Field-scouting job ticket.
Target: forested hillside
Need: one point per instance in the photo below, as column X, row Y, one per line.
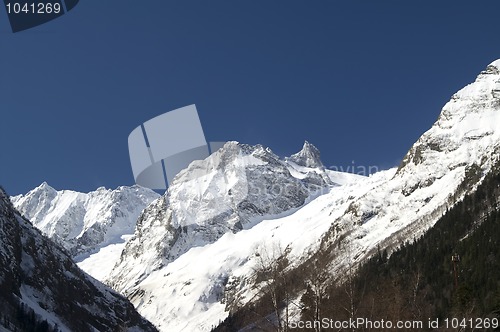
column 417, row 281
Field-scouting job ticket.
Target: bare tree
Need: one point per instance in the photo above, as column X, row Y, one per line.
column 317, row 285
column 271, row 272
column 353, row 300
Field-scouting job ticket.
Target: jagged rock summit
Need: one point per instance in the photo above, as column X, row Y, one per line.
column 231, row 190
column 309, row 156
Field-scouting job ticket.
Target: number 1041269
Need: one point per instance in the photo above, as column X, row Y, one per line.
column 33, row 8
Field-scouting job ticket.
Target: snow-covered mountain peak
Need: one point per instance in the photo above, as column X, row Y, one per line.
column 447, row 161
column 493, row 68
column 466, row 130
column 84, row 222
column 45, row 186
column 43, row 191
column 309, row 156
column 232, row 189
column 483, row 87
column 231, row 156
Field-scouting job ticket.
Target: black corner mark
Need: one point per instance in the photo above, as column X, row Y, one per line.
column 26, row 14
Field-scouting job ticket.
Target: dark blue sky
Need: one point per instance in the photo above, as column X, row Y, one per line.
column 362, row 80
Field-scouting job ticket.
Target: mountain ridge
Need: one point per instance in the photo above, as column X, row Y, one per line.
column 42, row 287
column 84, row 222
column 229, row 191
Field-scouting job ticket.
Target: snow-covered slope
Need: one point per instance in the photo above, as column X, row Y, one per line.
column 448, row 160
column 192, row 292
column 37, row 276
column 84, row 223
column 188, row 264
column 233, row 189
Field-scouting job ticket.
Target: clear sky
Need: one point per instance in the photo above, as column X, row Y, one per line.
column 362, row 80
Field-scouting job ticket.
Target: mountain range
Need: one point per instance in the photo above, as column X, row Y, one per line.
column 204, row 250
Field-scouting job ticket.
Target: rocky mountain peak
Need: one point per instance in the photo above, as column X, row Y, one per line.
column 493, row 68
column 233, row 189
column 45, row 188
column 467, row 126
column 309, row 156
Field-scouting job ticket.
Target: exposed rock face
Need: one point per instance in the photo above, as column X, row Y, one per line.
column 309, row 156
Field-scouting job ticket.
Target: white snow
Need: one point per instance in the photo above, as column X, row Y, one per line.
column 100, row 263
column 84, row 223
column 185, row 295
column 343, row 178
column 358, row 215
